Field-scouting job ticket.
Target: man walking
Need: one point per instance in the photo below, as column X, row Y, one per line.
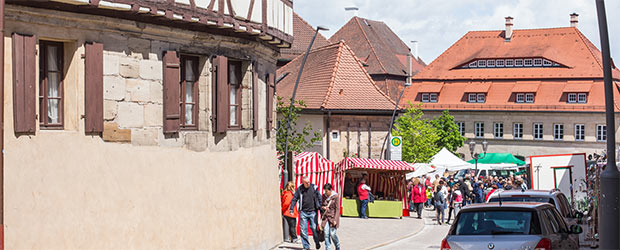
column 440, row 203
column 363, row 191
column 310, row 203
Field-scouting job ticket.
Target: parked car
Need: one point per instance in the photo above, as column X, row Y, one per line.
column 554, row 197
column 511, row 225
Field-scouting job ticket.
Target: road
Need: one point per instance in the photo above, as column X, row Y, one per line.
column 428, row 238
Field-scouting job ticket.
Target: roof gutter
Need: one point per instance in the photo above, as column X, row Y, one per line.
column 347, row 112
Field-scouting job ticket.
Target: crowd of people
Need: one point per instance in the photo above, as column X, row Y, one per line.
column 451, row 193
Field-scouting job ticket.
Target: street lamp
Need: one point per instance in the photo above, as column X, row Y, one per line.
column 477, row 156
column 290, row 108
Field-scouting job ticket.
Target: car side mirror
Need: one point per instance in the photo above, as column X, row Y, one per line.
column 575, row 229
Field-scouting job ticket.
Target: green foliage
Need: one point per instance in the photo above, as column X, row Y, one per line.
column 299, row 139
column 448, row 131
column 422, row 137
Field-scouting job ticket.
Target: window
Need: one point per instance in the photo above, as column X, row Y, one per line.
column 471, row 98
column 51, row 85
column 538, row 131
column 490, row 63
column 425, row 98
column 558, row 131
column 335, row 135
column 518, row 62
column 499, row 63
column 433, row 97
column 473, row 64
column 529, row 97
column 498, row 130
column 572, row 98
column 547, row 63
column 479, row 129
column 580, row 132
column 527, row 62
column 508, row 222
column 517, row 131
column 480, row 97
column 461, row 128
column 520, row 98
column 601, row 132
column 234, row 90
column 482, row 63
column 189, row 91
column 510, row 62
column 581, row 98
column 538, row 62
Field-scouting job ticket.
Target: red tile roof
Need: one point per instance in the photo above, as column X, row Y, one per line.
column 566, row 46
column 333, row 79
column 302, row 34
column 378, row 46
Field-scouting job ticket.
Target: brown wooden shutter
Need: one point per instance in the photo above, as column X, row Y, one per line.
column 271, row 87
column 255, row 97
column 221, row 94
column 172, row 78
column 24, row 83
column 93, row 88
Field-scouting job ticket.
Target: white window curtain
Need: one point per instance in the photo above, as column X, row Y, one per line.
column 53, row 84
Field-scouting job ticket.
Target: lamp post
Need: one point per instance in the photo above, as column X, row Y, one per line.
column 477, row 156
column 610, row 178
column 290, row 109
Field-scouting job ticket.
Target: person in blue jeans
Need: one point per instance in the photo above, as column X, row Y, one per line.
column 363, row 191
column 309, row 203
column 330, row 217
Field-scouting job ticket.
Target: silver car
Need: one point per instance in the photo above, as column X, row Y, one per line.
column 524, row 226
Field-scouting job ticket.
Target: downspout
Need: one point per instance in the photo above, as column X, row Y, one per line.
column 2, row 125
column 329, row 133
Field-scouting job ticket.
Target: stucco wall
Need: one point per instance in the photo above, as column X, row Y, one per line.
column 197, row 190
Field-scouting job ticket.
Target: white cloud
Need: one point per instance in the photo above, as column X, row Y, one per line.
column 437, row 24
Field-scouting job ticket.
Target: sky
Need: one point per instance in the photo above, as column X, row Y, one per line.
column 437, row 24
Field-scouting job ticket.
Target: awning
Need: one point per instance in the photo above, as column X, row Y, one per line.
column 350, row 163
column 578, row 86
column 428, row 87
column 477, row 87
column 526, row 87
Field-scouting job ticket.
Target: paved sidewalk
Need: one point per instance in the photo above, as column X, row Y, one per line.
column 428, row 238
column 355, row 233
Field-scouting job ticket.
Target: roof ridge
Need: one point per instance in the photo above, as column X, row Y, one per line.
column 366, row 73
column 584, row 42
column 304, row 20
column 549, row 28
column 370, row 44
column 333, row 77
column 311, row 51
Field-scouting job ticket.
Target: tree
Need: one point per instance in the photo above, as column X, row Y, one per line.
column 419, row 135
column 448, row 132
column 299, row 139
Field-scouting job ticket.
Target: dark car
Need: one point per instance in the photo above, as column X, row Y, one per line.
column 511, row 226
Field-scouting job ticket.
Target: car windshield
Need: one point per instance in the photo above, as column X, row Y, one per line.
column 522, row 199
column 497, row 223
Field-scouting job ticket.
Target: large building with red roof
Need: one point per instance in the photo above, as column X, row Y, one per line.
column 383, row 53
column 526, row 92
column 342, row 102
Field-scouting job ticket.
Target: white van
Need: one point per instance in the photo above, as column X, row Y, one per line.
column 499, row 170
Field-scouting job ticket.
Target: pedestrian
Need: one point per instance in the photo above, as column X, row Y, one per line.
column 429, row 196
column 330, row 218
column 493, row 189
column 418, row 195
column 349, row 186
column 309, row 203
column 289, row 219
column 458, row 199
column 440, row 203
column 479, row 193
column 363, row 191
column 450, row 203
column 409, row 189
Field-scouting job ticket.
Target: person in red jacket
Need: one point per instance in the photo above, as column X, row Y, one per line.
column 363, row 194
column 418, row 196
column 289, row 219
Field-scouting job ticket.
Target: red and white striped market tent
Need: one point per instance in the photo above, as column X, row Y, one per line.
column 314, row 165
column 385, row 176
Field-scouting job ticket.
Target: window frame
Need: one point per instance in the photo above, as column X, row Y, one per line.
column 473, row 64
column 528, row 100
column 547, row 63
column 481, row 100
column 535, row 131
column 509, row 63
column 558, row 131
column 498, row 130
column 499, row 63
column 517, row 130
column 425, row 97
column 601, row 132
column 479, row 127
column 580, row 134
column 470, row 99
column 195, row 92
column 526, row 64
column 538, row 62
column 237, row 96
column 482, row 63
column 579, row 98
column 43, row 85
column 490, row 63
column 433, row 97
column 519, row 62
column 461, row 126
column 574, row 98
column 520, row 98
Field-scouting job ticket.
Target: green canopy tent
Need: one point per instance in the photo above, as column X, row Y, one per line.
column 497, row 158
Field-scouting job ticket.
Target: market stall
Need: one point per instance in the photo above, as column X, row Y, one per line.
column 315, row 166
column 385, row 178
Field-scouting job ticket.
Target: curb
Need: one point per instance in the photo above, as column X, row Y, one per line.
column 399, row 238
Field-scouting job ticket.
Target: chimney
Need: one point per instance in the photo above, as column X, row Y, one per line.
column 415, row 49
column 574, row 20
column 508, row 33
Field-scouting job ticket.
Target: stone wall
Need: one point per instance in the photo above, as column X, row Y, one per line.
column 355, row 130
column 135, row 187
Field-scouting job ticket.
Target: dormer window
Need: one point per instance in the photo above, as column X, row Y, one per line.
column 581, row 98
column 527, row 62
column 547, row 63
column 510, row 62
column 529, row 97
column 577, row 98
column 481, row 97
column 520, row 98
column 482, row 63
column 518, row 62
column 524, row 98
column 476, row 97
column 499, row 63
column 490, row 63
column 429, row 97
column 538, row 62
column 473, row 64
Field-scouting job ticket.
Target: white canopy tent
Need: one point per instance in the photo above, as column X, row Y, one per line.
column 420, row 170
column 448, row 161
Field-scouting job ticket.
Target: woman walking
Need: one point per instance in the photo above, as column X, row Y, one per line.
column 458, row 199
column 418, row 195
column 288, row 219
column 440, row 203
column 450, row 203
column 331, row 217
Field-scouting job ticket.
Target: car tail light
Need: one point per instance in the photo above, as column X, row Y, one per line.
column 543, row 244
column 445, row 245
